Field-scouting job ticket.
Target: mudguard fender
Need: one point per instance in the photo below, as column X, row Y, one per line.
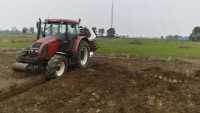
column 77, row 43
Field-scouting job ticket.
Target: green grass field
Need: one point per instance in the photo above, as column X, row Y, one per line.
column 150, row 47
column 15, row 43
column 14, row 40
column 130, row 47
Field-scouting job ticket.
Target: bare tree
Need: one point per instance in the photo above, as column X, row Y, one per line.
column 14, row 29
column 32, row 30
column 24, row 30
column 195, row 36
column 101, row 32
column 111, row 32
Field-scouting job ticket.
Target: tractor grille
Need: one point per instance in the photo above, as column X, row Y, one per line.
column 31, row 52
column 36, row 45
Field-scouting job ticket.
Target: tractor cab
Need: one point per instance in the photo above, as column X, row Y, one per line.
column 63, row 30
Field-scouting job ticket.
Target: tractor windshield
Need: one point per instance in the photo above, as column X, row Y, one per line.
column 62, row 31
column 54, row 29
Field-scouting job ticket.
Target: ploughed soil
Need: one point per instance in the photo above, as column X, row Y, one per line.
column 109, row 85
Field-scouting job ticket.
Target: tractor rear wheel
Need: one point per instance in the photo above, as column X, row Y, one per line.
column 56, row 67
column 83, row 54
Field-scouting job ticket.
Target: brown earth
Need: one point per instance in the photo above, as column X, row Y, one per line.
column 109, row 85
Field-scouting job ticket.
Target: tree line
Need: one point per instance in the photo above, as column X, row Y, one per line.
column 24, row 30
column 101, row 32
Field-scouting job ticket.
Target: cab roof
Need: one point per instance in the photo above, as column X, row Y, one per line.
column 63, row 21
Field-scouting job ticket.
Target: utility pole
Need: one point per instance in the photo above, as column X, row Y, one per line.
column 112, row 14
column 111, row 31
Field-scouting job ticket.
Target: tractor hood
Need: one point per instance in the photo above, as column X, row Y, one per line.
column 46, row 41
column 47, row 46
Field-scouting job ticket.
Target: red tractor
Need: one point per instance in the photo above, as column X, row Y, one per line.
column 60, row 43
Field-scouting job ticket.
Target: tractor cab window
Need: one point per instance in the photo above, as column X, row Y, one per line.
column 62, row 32
column 58, row 30
column 51, row 29
column 72, row 31
column 63, row 29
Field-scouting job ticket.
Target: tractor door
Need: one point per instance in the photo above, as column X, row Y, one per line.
column 72, row 33
column 62, row 32
column 63, row 36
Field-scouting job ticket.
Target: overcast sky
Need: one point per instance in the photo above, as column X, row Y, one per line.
column 133, row 17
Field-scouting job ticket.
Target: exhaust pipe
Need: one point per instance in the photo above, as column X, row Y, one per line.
column 20, row 67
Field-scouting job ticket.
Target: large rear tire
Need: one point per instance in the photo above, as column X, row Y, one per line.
column 56, row 67
column 83, row 54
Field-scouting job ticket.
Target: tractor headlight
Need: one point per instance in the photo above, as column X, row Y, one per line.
column 36, row 50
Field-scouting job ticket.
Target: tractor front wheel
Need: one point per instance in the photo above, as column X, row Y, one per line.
column 56, row 67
